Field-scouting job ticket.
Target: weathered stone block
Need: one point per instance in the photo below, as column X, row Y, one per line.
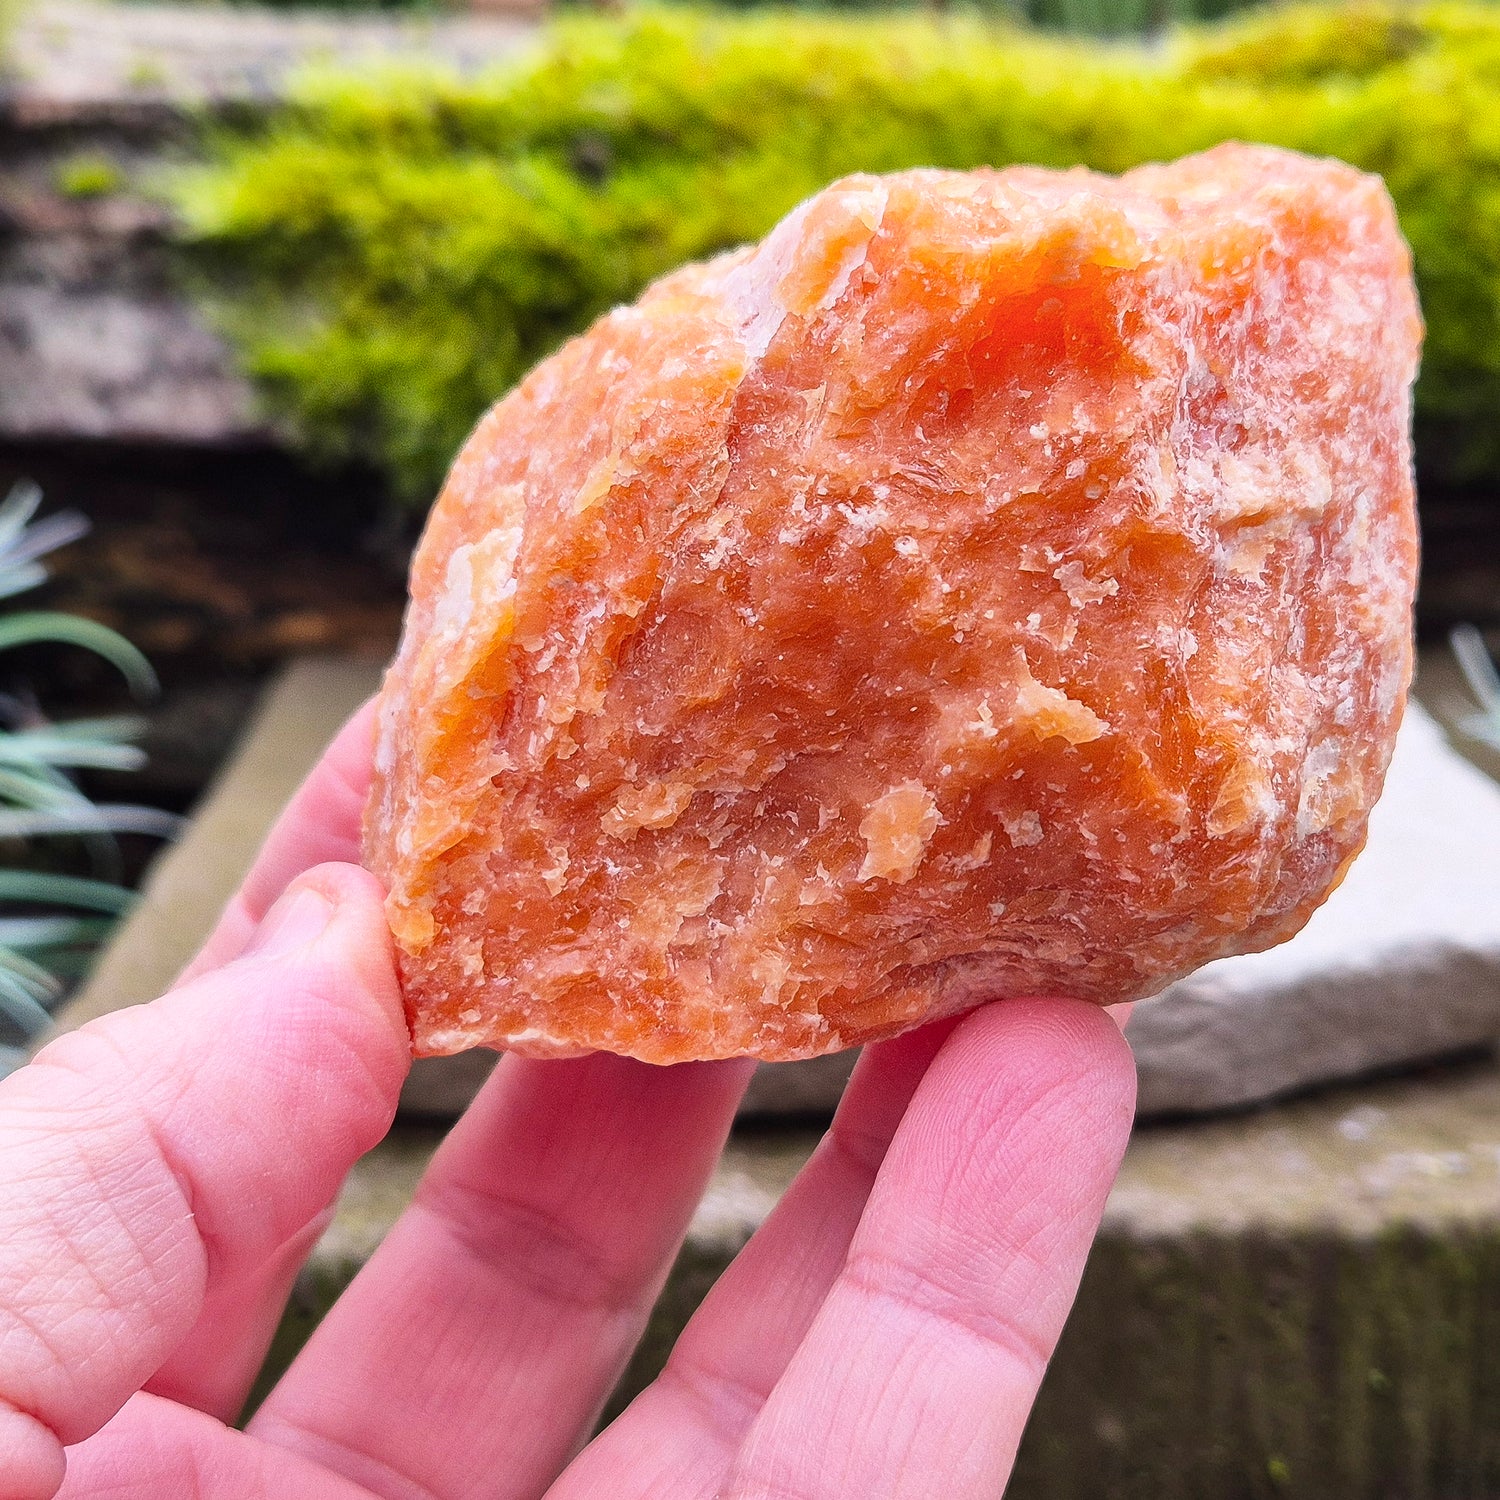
column 1302, row 1302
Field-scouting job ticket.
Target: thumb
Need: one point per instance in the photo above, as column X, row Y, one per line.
column 156, row 1165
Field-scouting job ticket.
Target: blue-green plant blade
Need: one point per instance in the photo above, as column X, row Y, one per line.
column 17, row 1002
column 27, row 934
column 63, row 629
column 1474, row 661
column 22, row 542
column 65, row 890
column 19, row 578
column 103, row 741
column 46, row 535
column 1482, row 727
column 109, row 728
column 45, row 802
column 72, row 963
column 38, row 785
column 18, row 507
column 30, row 973
column 102, row 817
column 39, row 747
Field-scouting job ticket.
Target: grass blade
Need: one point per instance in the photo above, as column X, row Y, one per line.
column 23, row 934
column 20, row 578
column 102, row 817
column 53, row 626
column 23, row 1008
column 36, row 785
column 47, row 535
column 1474, row 661
column 39, row 746
column 65, row 890
column 18, row 507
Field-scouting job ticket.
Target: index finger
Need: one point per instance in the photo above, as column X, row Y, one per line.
column 320, row 825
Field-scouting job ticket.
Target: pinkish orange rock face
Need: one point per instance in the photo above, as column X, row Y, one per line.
column 992, row 583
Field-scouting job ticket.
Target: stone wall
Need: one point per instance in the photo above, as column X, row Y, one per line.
column 97, row 337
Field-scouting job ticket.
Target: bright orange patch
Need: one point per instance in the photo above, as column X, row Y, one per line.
column 991, row 583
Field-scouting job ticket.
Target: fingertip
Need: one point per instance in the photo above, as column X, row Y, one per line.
column 299, row 917
column 1068, row 1033
column 1043, row 1056
column 333, row 911
column 355, row 949
column 32, row 1462
column 334, row 1009
column 350, row 888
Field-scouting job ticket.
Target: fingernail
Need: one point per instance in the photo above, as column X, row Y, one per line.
column 296, row 920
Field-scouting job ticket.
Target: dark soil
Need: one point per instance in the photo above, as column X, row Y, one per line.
column 219, row 566
column 1460, row 560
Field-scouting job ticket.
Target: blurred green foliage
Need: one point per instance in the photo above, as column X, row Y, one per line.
column 393, row 254
column 88, row 176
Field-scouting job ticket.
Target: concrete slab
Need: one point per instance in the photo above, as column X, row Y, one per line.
column 72, row 58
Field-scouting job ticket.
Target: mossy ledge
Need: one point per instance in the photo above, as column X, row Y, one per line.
column 391, row 253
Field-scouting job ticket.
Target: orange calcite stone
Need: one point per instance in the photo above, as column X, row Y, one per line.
column 991, row 583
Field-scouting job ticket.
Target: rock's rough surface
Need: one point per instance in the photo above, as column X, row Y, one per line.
column 990, row 583
column 1401, row 964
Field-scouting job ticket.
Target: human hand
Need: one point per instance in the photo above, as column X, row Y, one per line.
column 165, row 1170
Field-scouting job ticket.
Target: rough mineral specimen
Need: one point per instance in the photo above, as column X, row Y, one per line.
column 991, row 583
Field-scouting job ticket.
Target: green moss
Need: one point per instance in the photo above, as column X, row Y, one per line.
column 392, row 254
column 88, row 177
column 1239, row 1367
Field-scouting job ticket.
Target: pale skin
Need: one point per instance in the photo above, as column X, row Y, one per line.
column 164, row 1171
